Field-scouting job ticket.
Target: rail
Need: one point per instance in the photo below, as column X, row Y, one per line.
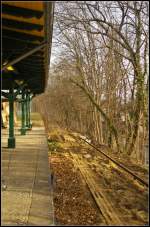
column 103, row 203
column 117, row 163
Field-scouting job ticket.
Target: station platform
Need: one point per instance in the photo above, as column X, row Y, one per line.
column 27, row 197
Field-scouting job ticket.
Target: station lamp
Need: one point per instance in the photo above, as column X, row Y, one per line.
column 10, row 68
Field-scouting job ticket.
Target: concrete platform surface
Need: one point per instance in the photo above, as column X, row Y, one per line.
column 27, row 199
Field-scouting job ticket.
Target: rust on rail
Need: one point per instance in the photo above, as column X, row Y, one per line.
column 117, row 163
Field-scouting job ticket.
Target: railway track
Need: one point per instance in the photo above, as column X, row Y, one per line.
column 111, row 215
column 107, row 210
column 121, row 166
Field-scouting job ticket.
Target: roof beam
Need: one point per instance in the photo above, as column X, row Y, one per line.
column 19, row 11
column 21, row 25
column 24, row 55
column 20, row 35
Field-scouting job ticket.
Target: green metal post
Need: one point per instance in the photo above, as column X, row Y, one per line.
column 29, row 108
column 11, row 139
column 23, row 129
column 30, row 124
column 26, row 110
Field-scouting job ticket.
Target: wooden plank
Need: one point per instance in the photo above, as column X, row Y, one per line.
column 102, row 201
column 26, row 5
column 33, row 32
column 33, row 20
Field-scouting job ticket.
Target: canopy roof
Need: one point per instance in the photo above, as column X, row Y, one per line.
column 25, row 25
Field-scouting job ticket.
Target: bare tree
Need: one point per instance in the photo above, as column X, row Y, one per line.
column 100, row 79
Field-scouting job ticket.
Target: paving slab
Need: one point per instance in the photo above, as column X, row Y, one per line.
column 27, row 199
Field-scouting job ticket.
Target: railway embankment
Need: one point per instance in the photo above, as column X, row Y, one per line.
column 90, row 189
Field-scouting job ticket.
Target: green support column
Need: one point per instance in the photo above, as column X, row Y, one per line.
column 11, row 139
column 23, row 129
column 29, row 109
column 26, row 111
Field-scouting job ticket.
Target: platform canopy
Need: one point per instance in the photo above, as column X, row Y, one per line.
column 25, row 27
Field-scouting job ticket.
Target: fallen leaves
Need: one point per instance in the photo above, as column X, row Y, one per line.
column 72, row 201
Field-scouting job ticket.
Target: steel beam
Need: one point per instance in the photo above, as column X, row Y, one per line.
column 11, row 63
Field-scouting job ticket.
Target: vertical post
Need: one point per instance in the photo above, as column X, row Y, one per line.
column 26, row 110
column 30, row 124
column 11, row 139
column 23, row 129
column 29, row 110
column 29, row 113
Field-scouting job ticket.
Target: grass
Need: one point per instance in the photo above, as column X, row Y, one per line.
column 53, row 145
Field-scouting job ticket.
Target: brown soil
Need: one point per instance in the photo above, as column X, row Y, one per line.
column 72, row 200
